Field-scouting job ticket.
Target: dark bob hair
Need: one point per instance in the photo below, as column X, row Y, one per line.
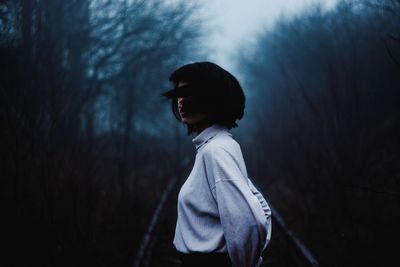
column 219, row 93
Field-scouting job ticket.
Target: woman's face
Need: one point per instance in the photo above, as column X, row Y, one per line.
column 188, row 117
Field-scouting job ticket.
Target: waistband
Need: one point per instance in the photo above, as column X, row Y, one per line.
column 202, row 259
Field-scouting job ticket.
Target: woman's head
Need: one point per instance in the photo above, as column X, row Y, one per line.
column 203, row 91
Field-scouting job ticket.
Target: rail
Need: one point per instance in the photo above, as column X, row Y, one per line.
column 148, row 236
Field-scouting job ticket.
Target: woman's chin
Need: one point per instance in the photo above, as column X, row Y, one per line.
column 187, row 121
column 193, row 119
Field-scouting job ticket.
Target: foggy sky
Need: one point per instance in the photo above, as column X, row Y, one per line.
column 234, row 22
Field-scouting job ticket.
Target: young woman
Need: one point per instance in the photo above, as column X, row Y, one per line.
column 223, row 220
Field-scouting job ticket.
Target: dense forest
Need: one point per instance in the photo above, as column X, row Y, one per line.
column 88, row 146
column 83, row 151
column 324, row 91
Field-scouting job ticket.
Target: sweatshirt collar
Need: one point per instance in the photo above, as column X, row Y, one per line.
column 209, row 133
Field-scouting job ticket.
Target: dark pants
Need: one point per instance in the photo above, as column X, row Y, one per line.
column 205, row 259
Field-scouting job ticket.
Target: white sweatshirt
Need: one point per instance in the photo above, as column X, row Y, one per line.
column 219, row 209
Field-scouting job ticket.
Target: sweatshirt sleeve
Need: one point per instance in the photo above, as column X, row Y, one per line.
column 242, row 216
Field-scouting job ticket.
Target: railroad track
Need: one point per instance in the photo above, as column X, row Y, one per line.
column 157, row 250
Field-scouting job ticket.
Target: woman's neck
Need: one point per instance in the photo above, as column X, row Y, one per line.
column 200, row 126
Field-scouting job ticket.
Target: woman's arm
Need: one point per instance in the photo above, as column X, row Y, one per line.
column 242, row 217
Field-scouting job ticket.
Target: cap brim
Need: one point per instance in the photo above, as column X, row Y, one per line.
column 182, row 91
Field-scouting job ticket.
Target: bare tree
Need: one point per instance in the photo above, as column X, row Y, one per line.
column 79, row 79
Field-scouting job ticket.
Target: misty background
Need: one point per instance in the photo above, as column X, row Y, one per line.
column 88, row 146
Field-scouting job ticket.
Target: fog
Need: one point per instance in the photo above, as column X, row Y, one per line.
column 236, row 23
column 90, row 151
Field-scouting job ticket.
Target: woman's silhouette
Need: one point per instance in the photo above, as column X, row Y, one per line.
column 223, row 220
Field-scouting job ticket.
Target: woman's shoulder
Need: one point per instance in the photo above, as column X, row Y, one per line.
column 222, row 143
